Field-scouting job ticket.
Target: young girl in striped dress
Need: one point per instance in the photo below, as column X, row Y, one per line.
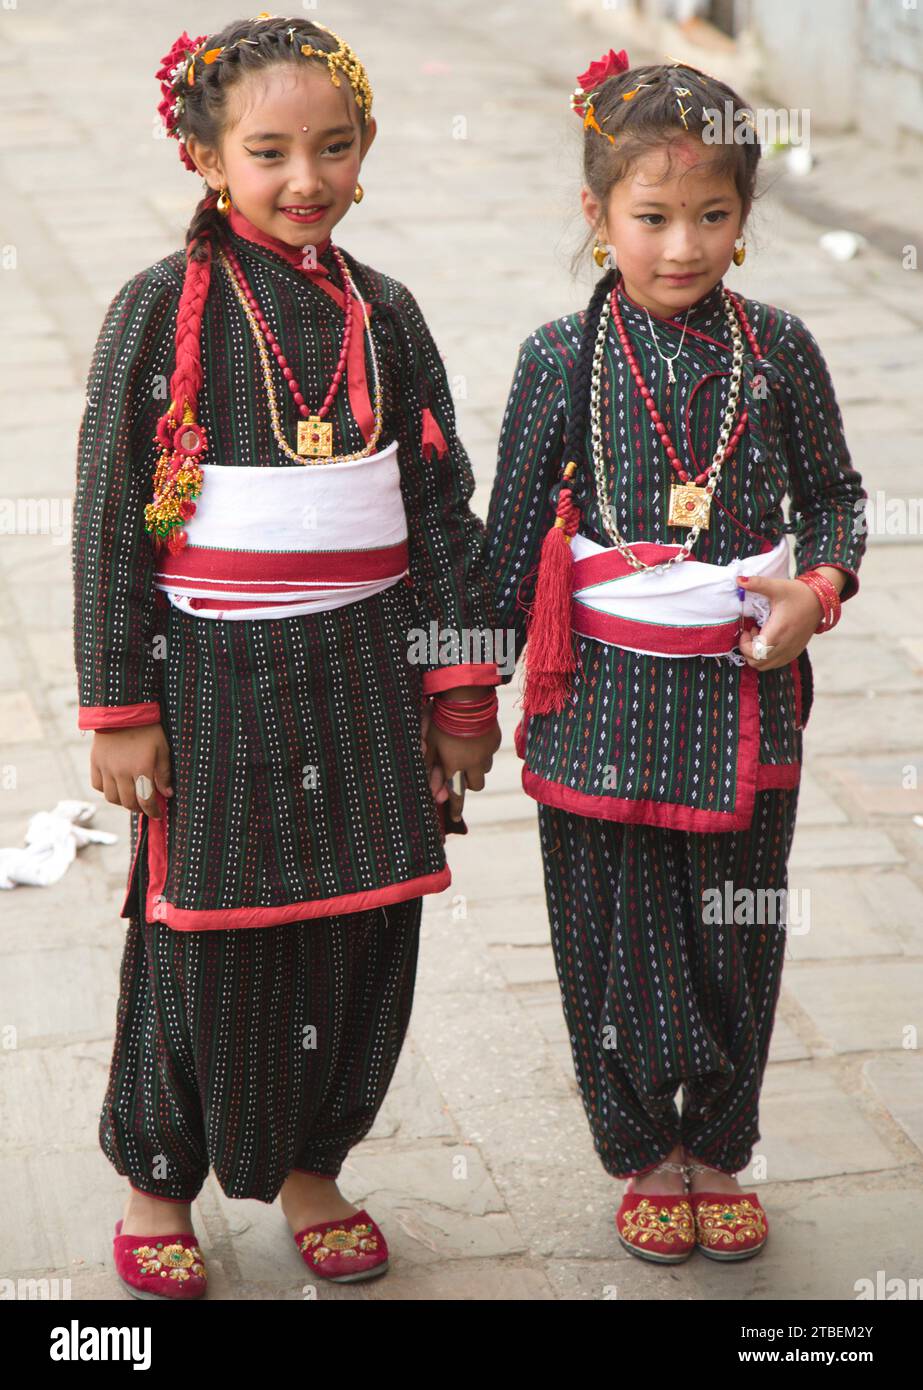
column 272, row 504
column 646, row 449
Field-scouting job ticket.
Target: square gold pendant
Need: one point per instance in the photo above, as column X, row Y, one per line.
column 315, row 437
column 689, row 505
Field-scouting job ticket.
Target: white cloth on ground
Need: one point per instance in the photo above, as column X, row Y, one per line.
column 52, row 841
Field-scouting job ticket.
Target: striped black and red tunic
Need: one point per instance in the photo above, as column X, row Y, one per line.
column 299, row 786
column 682, row 743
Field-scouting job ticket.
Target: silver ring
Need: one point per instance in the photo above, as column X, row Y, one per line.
column 760, row 649
column 144, row 787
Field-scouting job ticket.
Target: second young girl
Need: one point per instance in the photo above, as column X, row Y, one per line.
column 647, row 447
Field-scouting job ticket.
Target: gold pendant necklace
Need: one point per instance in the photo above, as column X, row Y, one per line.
column 316, row 451
column 315, row 437
column 689, row 505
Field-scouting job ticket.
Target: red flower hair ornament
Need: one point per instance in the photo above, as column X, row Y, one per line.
column 173, row 74
column 609, row 65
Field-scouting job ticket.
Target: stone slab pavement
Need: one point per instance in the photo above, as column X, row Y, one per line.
column 480, row 1165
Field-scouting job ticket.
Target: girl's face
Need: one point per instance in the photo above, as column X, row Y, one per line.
column 684, row 226
column 269, row 162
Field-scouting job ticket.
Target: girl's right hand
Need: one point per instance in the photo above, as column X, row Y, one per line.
column 118, row 756
column 437, row 782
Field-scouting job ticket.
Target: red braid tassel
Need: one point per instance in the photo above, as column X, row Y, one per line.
column 177, row 478
column 550, row 661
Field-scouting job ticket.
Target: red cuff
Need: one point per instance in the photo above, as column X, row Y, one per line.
column 118, row 716
column 448, row 677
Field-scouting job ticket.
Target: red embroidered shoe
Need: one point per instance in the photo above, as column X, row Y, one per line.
column 656, row 1227
column 344, row 1250
column 170, row 1266
column 728, row 1226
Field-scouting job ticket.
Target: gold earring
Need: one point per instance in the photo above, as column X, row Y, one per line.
column 604, row 256
column 224, row 203
column 359, row 193
column 739, row 253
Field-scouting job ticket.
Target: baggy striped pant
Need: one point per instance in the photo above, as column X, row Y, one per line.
column 255, row 1050
column 659, row 995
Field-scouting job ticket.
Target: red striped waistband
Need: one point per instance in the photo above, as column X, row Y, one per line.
column 277, row 572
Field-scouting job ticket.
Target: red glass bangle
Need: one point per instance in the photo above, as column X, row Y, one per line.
column 826, row 592
column 828, row 598
column 464, row 718
column 467, row 706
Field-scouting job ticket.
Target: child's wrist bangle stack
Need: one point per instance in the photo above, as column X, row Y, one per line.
column 826, row 593
column 465, row 718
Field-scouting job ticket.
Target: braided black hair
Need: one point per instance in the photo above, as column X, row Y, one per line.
column 578, row 414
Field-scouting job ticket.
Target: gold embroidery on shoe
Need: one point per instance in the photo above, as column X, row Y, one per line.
column 339, row 1241
column 729, row 1223
column 648, row 1221
column 180, row 1262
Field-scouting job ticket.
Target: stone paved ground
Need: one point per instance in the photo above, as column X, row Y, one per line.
column 480, row 1166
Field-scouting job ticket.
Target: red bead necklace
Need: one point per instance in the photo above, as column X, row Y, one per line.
column 314, row 436
column 660, row 427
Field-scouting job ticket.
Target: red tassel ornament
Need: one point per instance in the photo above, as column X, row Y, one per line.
column 550, row 661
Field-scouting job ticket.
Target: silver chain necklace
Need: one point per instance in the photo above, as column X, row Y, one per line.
column 671, row 375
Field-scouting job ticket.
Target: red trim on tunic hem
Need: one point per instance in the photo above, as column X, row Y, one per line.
column 157, row 909
column 671, row 815
column 183, row 919
column 667, row 815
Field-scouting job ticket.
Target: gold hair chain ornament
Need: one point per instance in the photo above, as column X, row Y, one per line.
column 179, row 72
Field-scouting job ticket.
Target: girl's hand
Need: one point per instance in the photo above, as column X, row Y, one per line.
column 436, row 779
column 791, row 624
column 468, row 755
column 445, row 754
column 118, row 756
column 472, row 756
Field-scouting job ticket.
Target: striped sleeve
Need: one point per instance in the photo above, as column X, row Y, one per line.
column 446, row 538
column 522, row 506
column 825, row 489
column 111, row 553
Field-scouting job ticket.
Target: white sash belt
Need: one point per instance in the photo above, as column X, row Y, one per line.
column 276, row 542
column 691, row 609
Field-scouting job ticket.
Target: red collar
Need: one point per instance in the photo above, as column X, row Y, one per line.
column 293, row 254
